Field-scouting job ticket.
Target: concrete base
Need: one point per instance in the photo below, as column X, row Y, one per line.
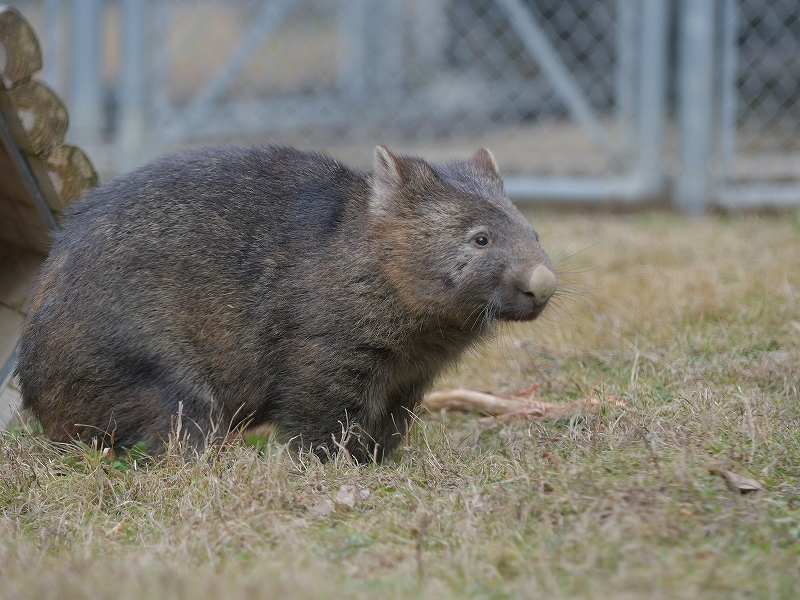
column 10, row 400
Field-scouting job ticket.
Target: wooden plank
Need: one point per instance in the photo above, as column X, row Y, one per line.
column 18, row 271
column 22, row 227
column 9, row 223
column 29, row 180
column 10, row 184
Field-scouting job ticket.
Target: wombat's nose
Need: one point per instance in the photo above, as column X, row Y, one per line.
column 541, row 285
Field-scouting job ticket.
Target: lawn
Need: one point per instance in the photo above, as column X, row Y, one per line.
column 695, row 324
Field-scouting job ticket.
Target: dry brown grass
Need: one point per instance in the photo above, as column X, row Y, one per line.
column 695, row 322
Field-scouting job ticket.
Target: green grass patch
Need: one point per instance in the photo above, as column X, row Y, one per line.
column 695, row 323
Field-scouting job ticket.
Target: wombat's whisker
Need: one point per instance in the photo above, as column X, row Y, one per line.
column 559, row 260
column 577, row 269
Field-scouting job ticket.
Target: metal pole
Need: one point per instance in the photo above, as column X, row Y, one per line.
column 730, row 91
column 695, row 104
column 627, row 44
column 132, row 85
column 86, row 93
column 652, row 93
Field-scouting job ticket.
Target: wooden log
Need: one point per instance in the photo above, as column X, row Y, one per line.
column 70, row 170
column 25, row 163
column 44, row 117
column 20, row 54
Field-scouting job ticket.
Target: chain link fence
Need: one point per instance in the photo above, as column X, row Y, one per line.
column 554, row 88
column 570, row 95
column 760, row 106
column 537, row 82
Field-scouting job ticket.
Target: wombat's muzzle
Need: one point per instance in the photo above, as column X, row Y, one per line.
column 533, row 290
column 541, row 285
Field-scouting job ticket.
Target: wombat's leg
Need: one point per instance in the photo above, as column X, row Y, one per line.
column 364, row 442
column 386, row 435
column 151, row 413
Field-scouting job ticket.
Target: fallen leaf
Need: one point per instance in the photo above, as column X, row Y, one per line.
column 528, row 392
column 349, row 494
column 737, row 483
column 116, row 529
column 476, row 504
column 321, row 509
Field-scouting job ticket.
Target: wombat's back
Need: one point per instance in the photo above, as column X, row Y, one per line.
column 170, row 283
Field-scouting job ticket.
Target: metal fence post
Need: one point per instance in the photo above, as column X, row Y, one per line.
column 730, row 93
column 85, row 90
column 132, row 85
column 626, row 94
column 652, row 94
column 695, row 104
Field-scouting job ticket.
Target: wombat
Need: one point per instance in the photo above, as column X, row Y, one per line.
column 242, row 286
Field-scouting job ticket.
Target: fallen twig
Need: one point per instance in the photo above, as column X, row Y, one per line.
column 507, row 408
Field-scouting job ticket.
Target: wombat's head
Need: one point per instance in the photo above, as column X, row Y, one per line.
column 454, row 245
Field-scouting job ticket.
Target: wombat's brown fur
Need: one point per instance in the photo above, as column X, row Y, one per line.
column 270, row 285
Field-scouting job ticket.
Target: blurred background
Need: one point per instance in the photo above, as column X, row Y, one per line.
column 693, row 102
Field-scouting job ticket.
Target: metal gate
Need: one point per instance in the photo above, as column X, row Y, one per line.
column 570, row 95
column 759, row 157
column 739, row 105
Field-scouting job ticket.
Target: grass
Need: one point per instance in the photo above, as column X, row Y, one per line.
column 696, row 323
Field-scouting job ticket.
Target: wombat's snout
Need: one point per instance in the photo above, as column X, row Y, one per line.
column 540, row 285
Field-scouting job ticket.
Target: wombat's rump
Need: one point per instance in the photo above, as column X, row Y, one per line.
column 269, row 285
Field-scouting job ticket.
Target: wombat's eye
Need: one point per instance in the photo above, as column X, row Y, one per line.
column 480, row 239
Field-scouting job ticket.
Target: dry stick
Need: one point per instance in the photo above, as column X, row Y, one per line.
column 508, row 408
column 471, row 401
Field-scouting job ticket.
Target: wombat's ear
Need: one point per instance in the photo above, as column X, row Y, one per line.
column 386, row 167
column 484, row 159
column 386, row 179
column 390, row 173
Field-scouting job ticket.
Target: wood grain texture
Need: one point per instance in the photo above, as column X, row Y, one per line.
column 37, row 170
column 70, row 170
column 21, row 225
column 42, row 114
column 20, row 54
column 18, row 270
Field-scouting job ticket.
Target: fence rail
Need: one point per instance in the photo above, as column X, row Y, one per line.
column 572, row 96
